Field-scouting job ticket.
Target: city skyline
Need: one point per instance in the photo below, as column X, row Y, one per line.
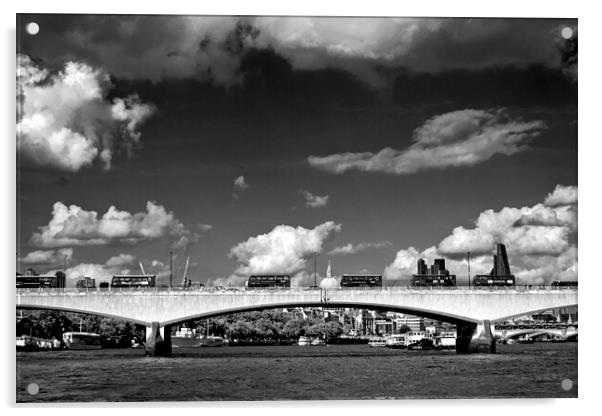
column 248, row 144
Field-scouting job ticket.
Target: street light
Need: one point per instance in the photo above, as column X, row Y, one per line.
column 315, row 269
column 468, row 256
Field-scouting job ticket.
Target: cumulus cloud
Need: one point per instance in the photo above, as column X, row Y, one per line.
column 562, row 195
column 51, row 258
column 99, row 272
column 210, row 47
column 537, row 240
column 283, row 250
column 65, row 121
column 121, row 260
column 459, row 138
column 356, row 248
column 74, row 226
column 314, row 201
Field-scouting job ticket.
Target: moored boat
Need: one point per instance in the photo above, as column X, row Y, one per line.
column 446, row 341
column 396, row 341
column 211, row 341
column 81, row 341
column 318, row 342
column 304, row 341
column 377, row 342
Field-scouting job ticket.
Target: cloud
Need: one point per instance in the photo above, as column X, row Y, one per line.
column 211, row 47
column 459, row 138
column 65, row 121
column 537, row 240
column 240, row 183
column 281, row 251
column 562, row 195
column 74, row 226
column 352, row 249
column 99, row 272
column 314, row 201
column 51, row 258
column 121, row 260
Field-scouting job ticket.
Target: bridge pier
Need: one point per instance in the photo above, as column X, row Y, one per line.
column 475, row 338
column 158, row 341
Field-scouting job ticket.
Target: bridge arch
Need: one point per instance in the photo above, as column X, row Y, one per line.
column 531, row 312
column 82, row 311
column 440, row 316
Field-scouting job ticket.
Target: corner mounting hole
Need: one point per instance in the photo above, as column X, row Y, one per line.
column 32, row 28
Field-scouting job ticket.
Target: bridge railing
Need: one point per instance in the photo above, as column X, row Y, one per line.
column 243, row 290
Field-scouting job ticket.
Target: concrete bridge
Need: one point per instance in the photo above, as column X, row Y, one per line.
column 472, row 310
column 529, row 333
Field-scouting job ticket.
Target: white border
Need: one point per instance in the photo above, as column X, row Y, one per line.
column 589, row 186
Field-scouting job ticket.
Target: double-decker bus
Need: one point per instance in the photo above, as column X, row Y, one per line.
column 133, row 281
column 490, row 280
column 566, row 283
column 33, row 281
column 434, row 280
column 268, row 281
column 361, row 280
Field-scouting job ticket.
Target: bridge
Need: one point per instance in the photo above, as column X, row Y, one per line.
column 471, row 310
column 530, row 333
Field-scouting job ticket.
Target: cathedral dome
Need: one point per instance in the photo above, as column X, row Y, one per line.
column 330, row 283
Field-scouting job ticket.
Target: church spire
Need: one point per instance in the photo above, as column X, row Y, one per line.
column 329, row 270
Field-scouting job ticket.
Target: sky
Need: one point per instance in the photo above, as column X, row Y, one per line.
column 250, row 143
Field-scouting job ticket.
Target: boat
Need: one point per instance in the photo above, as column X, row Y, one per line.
column 396, row 341
column 419, row 341
column 303, row 341
column 81, row 341
column 423, row 344
column 211, row 341
column 377, row 342
column 446, row 341
column 185, row 337
column 318, row 342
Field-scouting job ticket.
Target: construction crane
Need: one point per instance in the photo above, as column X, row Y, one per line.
column 185, row 271
column 141, row 267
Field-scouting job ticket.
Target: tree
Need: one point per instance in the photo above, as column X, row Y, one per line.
column 325, row 329
column 404, row 329
column 295, row 328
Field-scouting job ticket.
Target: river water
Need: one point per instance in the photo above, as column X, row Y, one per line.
column 296, row 373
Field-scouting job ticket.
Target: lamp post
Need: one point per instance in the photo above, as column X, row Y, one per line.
column 170, row 269
column 315, row 269
column 468, row 256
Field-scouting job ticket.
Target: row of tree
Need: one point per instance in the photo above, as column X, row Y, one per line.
column 264, row 325
column 51, row 324
column 270, row 324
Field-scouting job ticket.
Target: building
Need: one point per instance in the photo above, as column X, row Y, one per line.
column 437, row 275
column 415, row 323
column 329, row 282
column 31, row 279
column 86, row 283
column 500, row 275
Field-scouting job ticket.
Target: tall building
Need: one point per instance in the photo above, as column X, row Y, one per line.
column 436, row 275
column 500, row 273
column 422, row 267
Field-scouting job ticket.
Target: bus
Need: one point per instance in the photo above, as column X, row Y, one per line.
column 268, row 281
column 133, row 281
column 361, row 280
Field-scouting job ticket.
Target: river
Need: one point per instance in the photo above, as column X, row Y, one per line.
column 338, row 372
